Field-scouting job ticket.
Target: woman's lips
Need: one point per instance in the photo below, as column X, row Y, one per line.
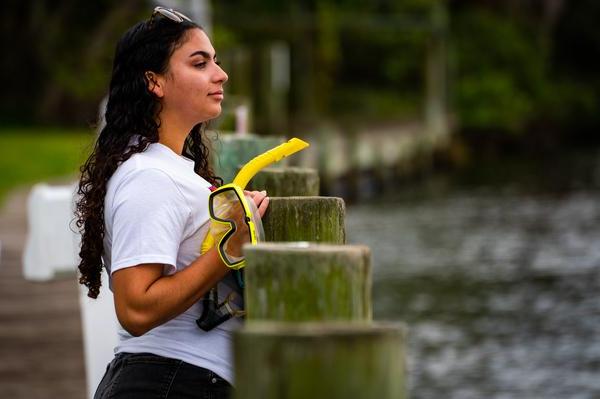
column 217, row 94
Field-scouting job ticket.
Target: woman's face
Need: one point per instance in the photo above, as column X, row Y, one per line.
column 193, row 84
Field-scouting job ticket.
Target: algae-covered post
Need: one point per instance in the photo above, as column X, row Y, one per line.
column 314, row 219
column 333, row 361
column 286, row 182
column 301, row 282
column 230, row 151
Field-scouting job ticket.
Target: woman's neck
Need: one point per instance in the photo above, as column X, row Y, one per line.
column 172, row 132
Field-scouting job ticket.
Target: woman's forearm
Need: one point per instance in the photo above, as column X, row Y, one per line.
column 155, row 299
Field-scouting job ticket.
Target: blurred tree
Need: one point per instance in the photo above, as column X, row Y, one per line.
column 528, row 66
column 575, row 63
column 350, row 59
column 517, row 65
column 60, row 57
column 501, row 71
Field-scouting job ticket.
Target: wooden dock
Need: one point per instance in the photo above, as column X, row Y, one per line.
column 41, row 344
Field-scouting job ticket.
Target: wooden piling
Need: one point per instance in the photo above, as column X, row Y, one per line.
column 231, row 151
column 302, row 282
column 314, row 219
column 286, row 182
column 332, row 361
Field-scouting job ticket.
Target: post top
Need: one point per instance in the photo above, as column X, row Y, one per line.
column 305, row 247
column 323, row 329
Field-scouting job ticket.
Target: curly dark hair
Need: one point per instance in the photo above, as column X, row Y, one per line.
column 132, row 110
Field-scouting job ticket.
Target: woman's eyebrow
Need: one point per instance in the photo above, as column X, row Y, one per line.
column 204, row 54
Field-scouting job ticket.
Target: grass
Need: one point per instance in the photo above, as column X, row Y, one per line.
column 32, row 155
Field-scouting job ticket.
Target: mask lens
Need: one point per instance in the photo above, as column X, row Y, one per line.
column 226, row 204
column 230, row 226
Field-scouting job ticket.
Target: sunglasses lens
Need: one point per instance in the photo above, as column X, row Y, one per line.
column 183, row 17
column 171, row 14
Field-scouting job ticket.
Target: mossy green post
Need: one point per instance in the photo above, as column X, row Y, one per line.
column 314, row 219
column 286, row 182
column 231, row 151
column 302, row 282
column 328, row 361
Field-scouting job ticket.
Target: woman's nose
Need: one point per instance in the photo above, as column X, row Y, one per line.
column 221, row 75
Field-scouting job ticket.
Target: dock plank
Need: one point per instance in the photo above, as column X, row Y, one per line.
column 41, row 342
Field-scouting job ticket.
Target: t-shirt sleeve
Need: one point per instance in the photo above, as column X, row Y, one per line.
column 148, row 221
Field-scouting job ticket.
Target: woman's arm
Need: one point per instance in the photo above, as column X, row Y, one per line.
column 145, row 298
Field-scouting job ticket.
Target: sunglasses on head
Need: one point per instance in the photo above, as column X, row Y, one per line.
column 173, row 15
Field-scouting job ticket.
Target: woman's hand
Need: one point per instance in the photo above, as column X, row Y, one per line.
column 237, row 215
column 260, row 200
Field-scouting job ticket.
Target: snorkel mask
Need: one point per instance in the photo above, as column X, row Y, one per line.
column 234, row 217
column 231, row 211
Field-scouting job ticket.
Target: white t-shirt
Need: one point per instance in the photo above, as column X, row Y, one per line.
column 156, row 211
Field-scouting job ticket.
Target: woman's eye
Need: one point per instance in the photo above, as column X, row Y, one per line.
column 200, row 65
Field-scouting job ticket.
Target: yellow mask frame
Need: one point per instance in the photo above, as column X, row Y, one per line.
column 224, row 206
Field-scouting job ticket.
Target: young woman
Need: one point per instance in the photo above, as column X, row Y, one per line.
column 143, row 213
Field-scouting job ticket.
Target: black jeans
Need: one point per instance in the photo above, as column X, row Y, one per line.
column 145, row 375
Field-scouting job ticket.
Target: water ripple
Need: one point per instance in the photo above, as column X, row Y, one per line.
column 501, row 292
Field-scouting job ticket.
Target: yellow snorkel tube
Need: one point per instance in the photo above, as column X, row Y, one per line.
column 267, row 158
column 229, row 209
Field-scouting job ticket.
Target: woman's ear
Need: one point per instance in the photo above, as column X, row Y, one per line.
column 154, row 84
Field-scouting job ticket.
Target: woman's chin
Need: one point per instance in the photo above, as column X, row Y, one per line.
column 216, row 111
column 208, row 116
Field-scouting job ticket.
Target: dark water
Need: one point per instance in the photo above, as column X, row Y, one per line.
column 500, row 287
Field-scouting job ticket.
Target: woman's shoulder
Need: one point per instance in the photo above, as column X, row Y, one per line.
column 145, row 173
column 141, row 187
column 147, row 162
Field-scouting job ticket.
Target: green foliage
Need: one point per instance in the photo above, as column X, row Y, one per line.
column 493, row 102
column 375, row 104
column 501, row 72
column 223, row 38
column 61, row 57
column 511, row 66
column 575, row 97
column 356, row 58
column 33, row 155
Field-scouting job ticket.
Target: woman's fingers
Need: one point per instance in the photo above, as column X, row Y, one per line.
column 257, row 196
column 262, row 208
column 260, row 200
